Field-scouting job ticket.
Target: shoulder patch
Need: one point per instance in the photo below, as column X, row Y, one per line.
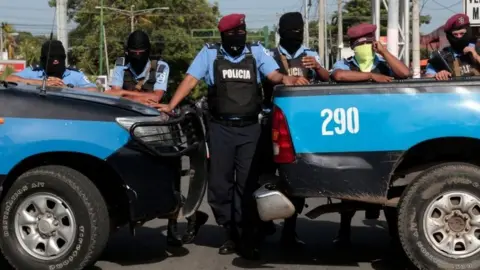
column 268, row 52
column 161, row 68
column 120, row 61
column 85, row 78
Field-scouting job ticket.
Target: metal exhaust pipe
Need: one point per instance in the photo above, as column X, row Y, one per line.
column 273, row 204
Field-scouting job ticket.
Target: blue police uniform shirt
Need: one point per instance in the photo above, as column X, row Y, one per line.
column 161, row 80
column 341, row 65
column 430, row 70
column 73, row 77
column 202, row 65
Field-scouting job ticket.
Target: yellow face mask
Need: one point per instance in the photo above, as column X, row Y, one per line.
column 365, row 57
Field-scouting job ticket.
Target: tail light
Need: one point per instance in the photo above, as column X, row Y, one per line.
column 282, row 142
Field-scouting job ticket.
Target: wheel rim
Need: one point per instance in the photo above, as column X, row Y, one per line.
column 452, row 224
column 45, row 226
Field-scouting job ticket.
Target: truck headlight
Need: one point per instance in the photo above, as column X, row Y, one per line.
column 151, row 133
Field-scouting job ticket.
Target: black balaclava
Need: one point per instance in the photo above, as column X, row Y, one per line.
column 53, row 58
column 138, row 40
column 290, row 29
column 458, row 44
column 233, row 42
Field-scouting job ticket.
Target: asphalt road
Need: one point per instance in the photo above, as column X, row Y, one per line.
column 147, row 250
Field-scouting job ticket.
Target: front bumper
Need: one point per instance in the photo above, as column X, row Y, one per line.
column 151, row 163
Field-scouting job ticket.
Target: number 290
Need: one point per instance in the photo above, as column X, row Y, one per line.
column 345, row 121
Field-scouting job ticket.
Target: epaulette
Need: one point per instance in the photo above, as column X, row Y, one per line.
column 212, row 46
column 36, row 67
column 73, row 68
column 120, row 61
column 256, row 43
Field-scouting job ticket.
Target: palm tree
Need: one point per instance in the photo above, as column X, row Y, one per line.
column 9, row 40
column 28, row 50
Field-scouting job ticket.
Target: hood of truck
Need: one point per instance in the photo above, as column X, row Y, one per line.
column 96, row 97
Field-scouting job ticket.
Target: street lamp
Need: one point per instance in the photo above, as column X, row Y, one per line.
column 132, row 13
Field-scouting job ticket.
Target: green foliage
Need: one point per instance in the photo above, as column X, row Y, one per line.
column 8, row 71
column 174, row 25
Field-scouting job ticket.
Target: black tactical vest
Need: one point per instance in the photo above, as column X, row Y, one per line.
column 295, row 68
column 381, row 68
column 129, row 81
column 236, row 92
column 466, row 67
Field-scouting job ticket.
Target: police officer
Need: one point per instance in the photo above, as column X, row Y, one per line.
column 231, row 70
column 293, row 59
column 52, row 65
column 461, row 56
column 371, row 62
column 136, row 76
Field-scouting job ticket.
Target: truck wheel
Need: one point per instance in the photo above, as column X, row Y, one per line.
column 439, row 218
column 53, row 217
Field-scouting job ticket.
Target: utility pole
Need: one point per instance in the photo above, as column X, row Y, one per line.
column 62, row 31
column 392, row 32
column 321, row 29
column 106, row 51
column 132, row 19
column 306, row 35
column 131, row 13
column 100, row 46
column 1, row 42
column 340, row 29
column 416, row 38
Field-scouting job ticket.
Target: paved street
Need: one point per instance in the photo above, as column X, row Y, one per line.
column 147, row 250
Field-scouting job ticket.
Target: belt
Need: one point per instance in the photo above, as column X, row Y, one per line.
column 235, row 121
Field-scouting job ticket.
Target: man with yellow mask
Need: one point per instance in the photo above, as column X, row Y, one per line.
column 371, row 62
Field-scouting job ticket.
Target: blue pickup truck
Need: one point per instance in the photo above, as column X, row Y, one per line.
column 360, row 142
column 76, row 165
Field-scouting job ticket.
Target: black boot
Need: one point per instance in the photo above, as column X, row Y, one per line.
column 343, row 238
column 230, row 244
column 289, row 236
column 249, row 243
column 193, row 225
column 173, row 239
column 373, row 213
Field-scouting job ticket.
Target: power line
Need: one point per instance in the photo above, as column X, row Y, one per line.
column 448, row 7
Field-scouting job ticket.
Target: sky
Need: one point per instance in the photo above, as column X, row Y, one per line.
column 35, row 16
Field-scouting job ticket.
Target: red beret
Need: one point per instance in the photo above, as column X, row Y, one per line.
column 456, row 21
column 231, row 21
column 361, row 30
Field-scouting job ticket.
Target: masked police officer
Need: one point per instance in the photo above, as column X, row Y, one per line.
column 462, row 56
column 231, row 70
column 53, row 65
column 371, row 62
column 294, row 59
column 136, row 76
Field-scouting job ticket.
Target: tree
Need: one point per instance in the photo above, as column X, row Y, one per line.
column 9, row 39
column 29, row 50
column 174, row 25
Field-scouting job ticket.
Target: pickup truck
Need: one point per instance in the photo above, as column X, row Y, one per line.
column 361, row 142
column 76, row 165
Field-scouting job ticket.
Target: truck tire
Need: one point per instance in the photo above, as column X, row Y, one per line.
column 439, row 218
column 53, row 217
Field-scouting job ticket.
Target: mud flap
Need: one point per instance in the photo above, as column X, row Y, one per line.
column 198, row 175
